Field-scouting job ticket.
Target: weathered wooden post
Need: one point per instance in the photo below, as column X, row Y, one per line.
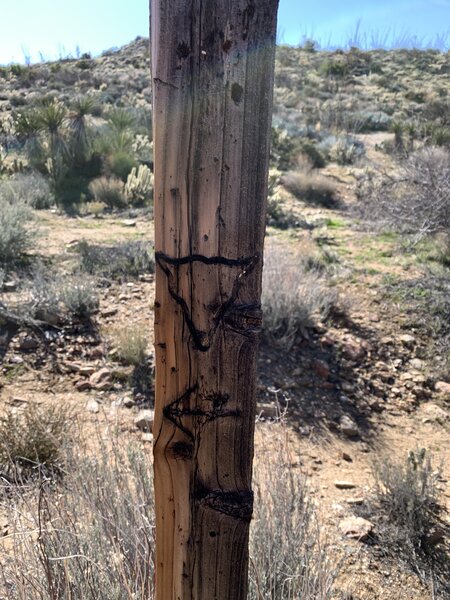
column 212, row 69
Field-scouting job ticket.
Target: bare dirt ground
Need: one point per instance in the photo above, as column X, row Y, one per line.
column 364, row 365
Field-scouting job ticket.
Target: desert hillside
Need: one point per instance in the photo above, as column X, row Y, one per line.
column 352, row 458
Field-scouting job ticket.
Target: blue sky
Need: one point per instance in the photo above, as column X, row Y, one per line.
column 53, row 28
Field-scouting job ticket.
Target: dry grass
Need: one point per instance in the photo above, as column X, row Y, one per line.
column 90, row 539
column 294, row 297
column 288, row 557
column 32, row 439
column 131, row 344
column 311, row 187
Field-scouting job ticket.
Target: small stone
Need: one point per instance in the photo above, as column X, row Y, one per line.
column 128, row 402
column 86, row 371
column 356, row 528
column 407, row 340
column 109, row 312
column 10, row 286
column 93, row 406
column 353, row 351
column 347, row 457
column 268, row 411
column 348, row 427
column 355, row 500
column 144, row 420
column 100, row 378
column 321, row 368
column 442, row 387
column 344, row 485
column 435, row 412
column 82, row 385
column 147, row 437
column 128, row 223
column 28, row 343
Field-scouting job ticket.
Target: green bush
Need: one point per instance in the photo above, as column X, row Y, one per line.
column 121, row 163
column 109, row 191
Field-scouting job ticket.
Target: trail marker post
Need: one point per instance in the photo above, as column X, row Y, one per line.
column 212, row 70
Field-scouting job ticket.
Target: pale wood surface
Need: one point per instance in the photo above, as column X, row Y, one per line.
column 212, row 69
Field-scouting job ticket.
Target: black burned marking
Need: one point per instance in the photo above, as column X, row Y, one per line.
column 183, row 50
column 237, row 92
column 180, row 408
column 202, row 340
column 238, row 505
column 227, row 45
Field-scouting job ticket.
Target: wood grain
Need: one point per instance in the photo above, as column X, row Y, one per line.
column 212, row 70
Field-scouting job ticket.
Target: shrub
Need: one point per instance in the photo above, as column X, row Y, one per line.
column 405, row 506
column 131, row 344
column 96, row 536
column 416, row 200
column 292, row 303
column 121, row 163
column 78, row 295
column 109, row 191
column 50, row 295
column 128, row 259
column 32, row 439
column 288, row 559
column 311, row 187
column 30, row 188
column 16, row 237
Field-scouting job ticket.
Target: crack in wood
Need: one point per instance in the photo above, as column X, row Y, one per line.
column 244, row 319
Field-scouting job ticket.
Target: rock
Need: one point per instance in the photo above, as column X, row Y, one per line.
column 144, row 420
column 128, row 402
column 93, row 406
column 348, row 427
column 128, row 223
column 356, row 528
column 10, row 286
column 109, row 312
column 82, row 385
column 28, row 343
column 407, row 340
column 416, row 363
column 72, row 367
column 435, row 412
column 442, row 387
column 147, row 437
column 355, row 500
column 347, row 386
column 375, row 405
column 268, row 411
column 86, row 371
column 347, row 457
column 101, row 379
column 353, row 351
column 436, row 535
column 321, row 368
column 344, row 485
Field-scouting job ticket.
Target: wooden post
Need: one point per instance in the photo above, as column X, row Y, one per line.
column 212, row 70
